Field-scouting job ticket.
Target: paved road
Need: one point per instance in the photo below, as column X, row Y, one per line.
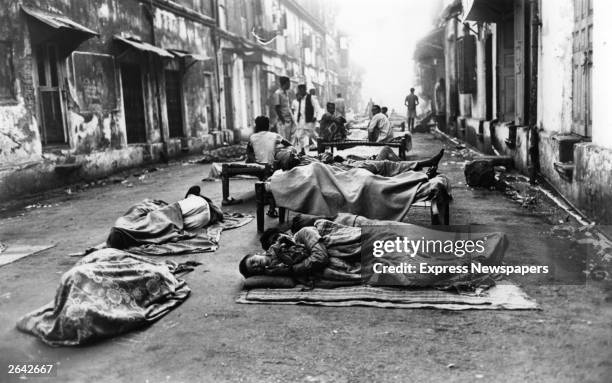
column 210, row 338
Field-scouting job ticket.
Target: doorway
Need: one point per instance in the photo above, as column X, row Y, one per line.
column 133, row 103
column 227, row 90
column 174, row 103
column 210, row 108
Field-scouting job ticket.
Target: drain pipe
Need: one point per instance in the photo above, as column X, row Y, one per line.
column 534, row 139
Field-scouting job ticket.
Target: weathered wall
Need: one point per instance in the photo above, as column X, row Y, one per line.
column 96, row 137
column 602, row 75
column 174, row 32
column 555, row 66
column 19, row 136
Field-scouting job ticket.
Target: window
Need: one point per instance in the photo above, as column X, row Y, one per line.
column 7, row 74
column 51, row 112
column 582, row 52
column 222, row 15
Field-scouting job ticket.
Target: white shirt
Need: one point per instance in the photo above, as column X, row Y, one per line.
column 196, row 212
column 265, row 144
column 380, row 121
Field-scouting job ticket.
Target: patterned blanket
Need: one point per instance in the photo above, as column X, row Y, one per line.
column 107, row 293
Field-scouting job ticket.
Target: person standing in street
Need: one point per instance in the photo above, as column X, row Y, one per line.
column 440, row 104
column 340, row 105
column 303, row 115
column 285, row 123
column 411, row 103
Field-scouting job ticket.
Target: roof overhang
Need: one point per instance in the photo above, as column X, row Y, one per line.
column 488, row 11
column 143, row 46
column 188, row 55
column 47, row 27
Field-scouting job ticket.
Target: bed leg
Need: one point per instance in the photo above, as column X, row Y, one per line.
column 282, row 215
column 402, row 149
column 225, row 185
column 260, row 201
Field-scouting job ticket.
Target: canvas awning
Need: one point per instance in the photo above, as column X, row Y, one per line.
column 191, row 58
column 489, row 11
column 47, row 26
column 143, row 46
column 188, row 55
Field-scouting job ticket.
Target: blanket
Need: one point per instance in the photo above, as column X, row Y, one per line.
column 152, row 227
column 505, row 296
column 323, row 190
column 107, row 293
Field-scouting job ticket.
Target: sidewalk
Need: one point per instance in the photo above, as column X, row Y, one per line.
column 210, row 338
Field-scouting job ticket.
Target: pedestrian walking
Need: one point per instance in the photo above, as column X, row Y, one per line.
column 285, row 124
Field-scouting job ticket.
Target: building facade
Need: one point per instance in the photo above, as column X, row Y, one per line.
column 91, row 87
column 520, row 79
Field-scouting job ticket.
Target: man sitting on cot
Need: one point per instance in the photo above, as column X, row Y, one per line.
column 331, row 251
column 270, row 148
column 263, row 144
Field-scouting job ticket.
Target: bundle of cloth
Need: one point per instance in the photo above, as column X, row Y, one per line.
column 107, row 293
column 332, row 252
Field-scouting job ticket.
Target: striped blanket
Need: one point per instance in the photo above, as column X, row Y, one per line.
column 503, row 296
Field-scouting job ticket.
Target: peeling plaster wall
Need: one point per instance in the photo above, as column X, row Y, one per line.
column 602, row 76
column 96, row 139
column 555, row 66
column 174, row 32
column 19, row 137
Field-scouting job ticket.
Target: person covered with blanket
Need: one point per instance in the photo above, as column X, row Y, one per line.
column 330, row 251
column 154, row 221
column 386, row 163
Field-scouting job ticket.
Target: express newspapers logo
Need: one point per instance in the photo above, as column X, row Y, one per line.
column 405, row 255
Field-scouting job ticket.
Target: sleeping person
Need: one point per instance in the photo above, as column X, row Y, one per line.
column 156, row 222
column 331, row 251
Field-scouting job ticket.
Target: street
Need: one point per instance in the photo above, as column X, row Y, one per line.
column 212, row 338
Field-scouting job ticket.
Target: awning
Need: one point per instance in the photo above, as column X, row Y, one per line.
column 144, row 47
column 489, row 11
column 46, row 26
column 191, row 58
column 187, row 55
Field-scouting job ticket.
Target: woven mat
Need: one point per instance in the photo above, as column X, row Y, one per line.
column 505, row 296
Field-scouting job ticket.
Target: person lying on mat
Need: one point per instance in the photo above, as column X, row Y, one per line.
column 198, row 211
column 332, row 251
column 157, row 222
